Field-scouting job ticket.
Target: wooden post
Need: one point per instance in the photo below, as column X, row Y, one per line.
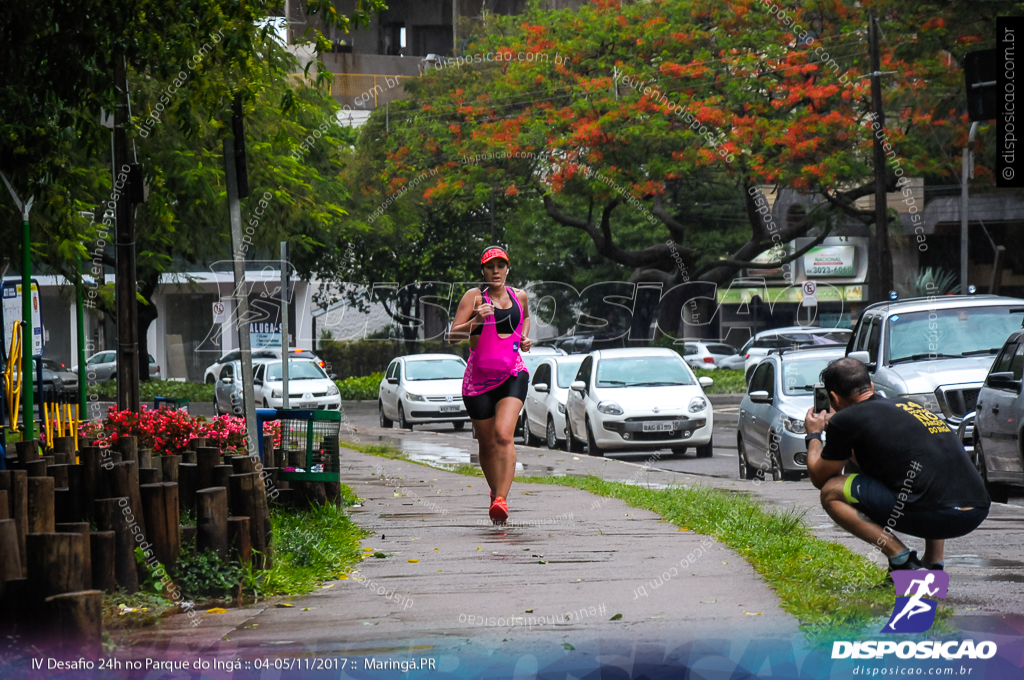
column 188, row 484
column 59, row 458
column 5, row 504
column 10, row 552
column 170, row 467
column 212, row 520
column 145, row 459
column 16, row 484
column 92, row 459
column 56, row 563
column 76, row 493
column 207, row 457
column 35, row 468
column 160, row 507
column 15, row 605
column 27, row 451
column 196, row 442
column 128, row 445
column 81, row 528
column 102, row 554
column 123, row 479
column 59, row 472
column 245, row 498
column 333, row 492
column 189, row 456
column 76, row 620
column 221, row 477
column 65, row 445
column 240, row 539
column 62, row 505
column 110, row 517
column 41, row 518
column 148, row 476
column 242, row 464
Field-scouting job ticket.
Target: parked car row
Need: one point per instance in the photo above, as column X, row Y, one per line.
column 960, row 357
column 633, row 399
column 309, row 386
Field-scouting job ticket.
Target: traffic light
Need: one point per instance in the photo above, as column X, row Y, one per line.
column 980, row 73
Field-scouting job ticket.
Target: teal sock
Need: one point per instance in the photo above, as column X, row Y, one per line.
column 899, row 560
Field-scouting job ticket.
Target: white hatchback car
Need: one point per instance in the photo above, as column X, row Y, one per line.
column 309, row 387
column 423, row 388
column 638, row 399
column 545, row 400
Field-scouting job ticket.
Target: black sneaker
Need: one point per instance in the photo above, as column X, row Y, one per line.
column 932, row 566
column 911, row 563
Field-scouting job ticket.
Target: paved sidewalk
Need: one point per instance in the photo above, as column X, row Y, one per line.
column 565, row 567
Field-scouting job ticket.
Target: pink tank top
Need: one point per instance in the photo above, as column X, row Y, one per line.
column 494, row 359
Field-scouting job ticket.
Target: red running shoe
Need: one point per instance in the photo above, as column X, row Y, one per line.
column 499, row 510
column 492, row 498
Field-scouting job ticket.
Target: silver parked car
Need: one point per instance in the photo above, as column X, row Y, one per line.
column 999, row 421
column 935, row 351
column 544, row 409
column 770, row 433
column 789, row 337
column 706, row 355
column 102, row 366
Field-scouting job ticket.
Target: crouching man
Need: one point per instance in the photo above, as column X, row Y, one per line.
column 916, row 477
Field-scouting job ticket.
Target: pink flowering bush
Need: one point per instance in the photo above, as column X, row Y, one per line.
column 168, row 431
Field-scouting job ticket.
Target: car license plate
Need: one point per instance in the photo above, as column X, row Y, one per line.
column 454, row 408
column 308, row 404
column 658, row 427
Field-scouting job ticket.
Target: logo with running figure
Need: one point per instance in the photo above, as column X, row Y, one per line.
column 912, row 613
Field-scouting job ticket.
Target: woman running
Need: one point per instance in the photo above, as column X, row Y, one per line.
column 496, row 319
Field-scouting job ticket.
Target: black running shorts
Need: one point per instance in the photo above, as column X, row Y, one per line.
column 484, row 406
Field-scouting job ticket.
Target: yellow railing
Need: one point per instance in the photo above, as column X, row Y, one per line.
column 60, row 419
column 12, row 384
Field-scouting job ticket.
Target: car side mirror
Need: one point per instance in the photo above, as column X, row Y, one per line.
column 542, row 387
column 705, row 381
column 257, row 381
column 861, row 356
column 1003, row 380
column 333, row 376
column 578, row 386
column 393, row 381
column 760, row 397
column 227, row 381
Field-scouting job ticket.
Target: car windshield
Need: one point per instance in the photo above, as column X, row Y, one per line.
column 642, row 371
column 799, row 376
column 531, row 360
column 968, row 331
column 297, row 370
column 567, row 370
column 435, row 369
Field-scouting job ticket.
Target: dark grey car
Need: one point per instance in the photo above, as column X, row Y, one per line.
column 999, row 421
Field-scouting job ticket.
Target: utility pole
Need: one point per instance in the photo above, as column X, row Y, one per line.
column 80, row 319
column 127, row 328
column 285, row 403
column 967, row 171
column 880, row 263
column 241, row 294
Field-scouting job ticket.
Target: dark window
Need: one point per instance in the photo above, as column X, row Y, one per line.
column 689, row 349
column 257, row 375
column 585, row 369
column 728, row 350
column 1017, row 365
column 769, row 380
column 874, row 336
column 757, row 381
column 227, row 372
column 543, row 375
column 1002, row 362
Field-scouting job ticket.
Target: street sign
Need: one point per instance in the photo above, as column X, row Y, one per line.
column 810, row 291
column 220, row 312
column 10, row 293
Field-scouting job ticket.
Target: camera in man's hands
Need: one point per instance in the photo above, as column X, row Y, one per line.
column 821, row 402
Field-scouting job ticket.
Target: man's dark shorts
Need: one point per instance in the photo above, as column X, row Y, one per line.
column 875, row 500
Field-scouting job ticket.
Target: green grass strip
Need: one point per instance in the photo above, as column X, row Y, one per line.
column 830, row 589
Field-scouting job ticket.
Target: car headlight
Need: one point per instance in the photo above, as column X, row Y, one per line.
column 275, row 394
column 610, row 407
column 793, row 425
column 925, row 399
column 332, row 390
column 561, row 408
column 698, row 404
column 413, row 397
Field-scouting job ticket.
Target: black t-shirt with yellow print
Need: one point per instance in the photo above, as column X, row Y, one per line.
column 905, row 446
